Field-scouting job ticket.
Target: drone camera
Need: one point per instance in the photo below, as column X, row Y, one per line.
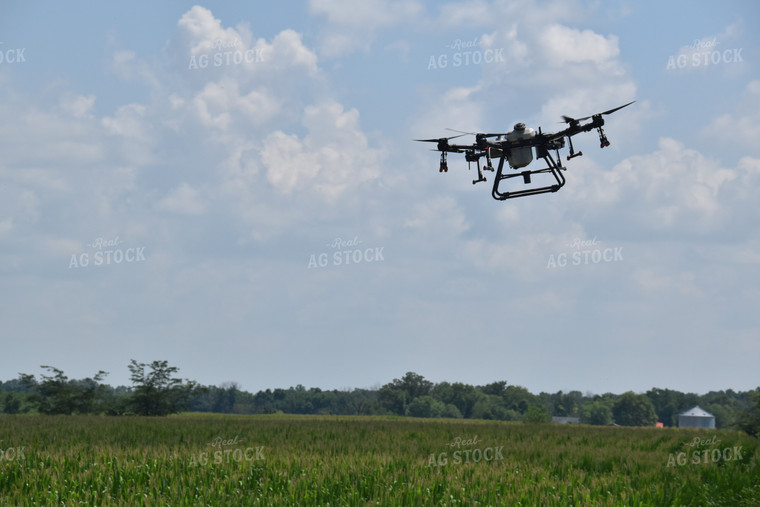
column 526, row 177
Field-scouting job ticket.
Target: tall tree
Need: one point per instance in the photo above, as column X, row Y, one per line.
column 597, row 413
column 56, row 394
column 749, row 420
column 397, row 395
column 634, row 410
column 462, row 396
column 156, row 393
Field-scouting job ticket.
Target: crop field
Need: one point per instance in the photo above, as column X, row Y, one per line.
column 328, row 460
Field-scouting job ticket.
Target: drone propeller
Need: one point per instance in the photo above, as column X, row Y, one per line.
column 568, row 119
column 441, row 139
column 477, row 134
column 462, row 132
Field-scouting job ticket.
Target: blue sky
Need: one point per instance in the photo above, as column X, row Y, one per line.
column 218, row 191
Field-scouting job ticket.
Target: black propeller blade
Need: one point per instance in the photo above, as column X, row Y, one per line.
column 568, row 119
column 477, row 134
column 443, row 143
column 441, row 139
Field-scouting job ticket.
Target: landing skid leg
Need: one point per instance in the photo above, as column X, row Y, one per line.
column 552, row 167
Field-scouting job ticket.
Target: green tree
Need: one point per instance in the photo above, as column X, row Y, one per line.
column 518, row 398
column 667, row 404
column 56, row 394
column 490, row 407
column 536, row 414
column 451, row 411
column 156, row 393
column 413, row 385
column 597, row 413
column 632, row 409
column 462, row 396
column 12, row 402
column 426, row 406
column 397, row 395
column 393, row 399
column 749, row 420
column 495, row 388
column 566, row 404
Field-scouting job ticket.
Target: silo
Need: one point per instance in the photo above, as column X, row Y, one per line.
column 696, row 418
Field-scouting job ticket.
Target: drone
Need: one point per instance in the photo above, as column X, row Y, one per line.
column 516, row 147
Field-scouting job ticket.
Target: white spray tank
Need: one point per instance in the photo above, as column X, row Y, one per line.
column 522, row 156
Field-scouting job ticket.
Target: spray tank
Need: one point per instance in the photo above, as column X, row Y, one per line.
column 522, row 156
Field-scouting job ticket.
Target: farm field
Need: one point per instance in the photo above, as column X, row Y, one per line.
column 216, row 460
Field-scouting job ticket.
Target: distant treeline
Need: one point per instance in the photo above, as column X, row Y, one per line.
column 158, row 393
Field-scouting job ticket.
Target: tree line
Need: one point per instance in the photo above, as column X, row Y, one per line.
column 157, row 392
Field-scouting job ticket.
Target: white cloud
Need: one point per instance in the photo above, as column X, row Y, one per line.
column 128, row 122
column 183, row 200
column 674, row 188
column 563, row 45
column 742, row 127
column 439, row 217
column 78, row 106
column 334, row 156
column 353, row 26
column 202, row 30
column 219, row 102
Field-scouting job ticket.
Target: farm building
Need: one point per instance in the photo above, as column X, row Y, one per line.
column 696, row 418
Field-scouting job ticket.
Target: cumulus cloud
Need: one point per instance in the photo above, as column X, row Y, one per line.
column 334, row 156
column 183, row 200
column 674, row 188
column 742, row 127
column 563, row 45
column 353, row 26
column 438, row 216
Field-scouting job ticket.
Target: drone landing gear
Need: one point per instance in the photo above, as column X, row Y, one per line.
column 572, row 150
column 552, row 167
column 472, row 157
column 602, row 138
column 444, row 166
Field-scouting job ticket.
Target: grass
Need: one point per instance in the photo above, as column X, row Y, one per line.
column 325, row 460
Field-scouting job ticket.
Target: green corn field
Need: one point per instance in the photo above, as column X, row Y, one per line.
column 218, row 460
